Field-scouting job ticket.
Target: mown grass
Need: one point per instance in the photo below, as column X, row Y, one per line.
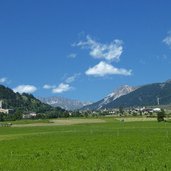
column 114, row 145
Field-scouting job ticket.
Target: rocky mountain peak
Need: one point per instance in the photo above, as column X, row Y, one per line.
column 121, row 91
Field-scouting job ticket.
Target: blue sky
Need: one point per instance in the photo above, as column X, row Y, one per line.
column 83, row 49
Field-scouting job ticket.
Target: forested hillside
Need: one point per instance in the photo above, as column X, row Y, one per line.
column 25, row 102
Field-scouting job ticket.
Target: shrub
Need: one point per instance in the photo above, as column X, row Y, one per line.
column 161, row 115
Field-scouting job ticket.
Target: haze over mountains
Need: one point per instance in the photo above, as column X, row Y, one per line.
column 65, row 103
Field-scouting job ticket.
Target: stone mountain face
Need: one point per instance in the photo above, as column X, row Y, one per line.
column 64, row 103
column 123, row 90
column 118, row 93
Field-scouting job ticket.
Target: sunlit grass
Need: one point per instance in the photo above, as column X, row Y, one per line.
column 112, row 145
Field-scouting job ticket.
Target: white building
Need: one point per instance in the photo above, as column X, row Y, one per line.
column 156, row 110
column 0, row 104
column 29, row 115
column 3, row 110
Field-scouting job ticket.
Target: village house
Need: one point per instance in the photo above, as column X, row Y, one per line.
column 6, row 111
column 29, row 115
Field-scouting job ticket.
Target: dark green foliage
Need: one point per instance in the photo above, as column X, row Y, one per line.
column 161, row 115
column 10, row 117
column 121, row 110
column 22, row 103
column 2, row 116
column 25, row 103
column 76, row 114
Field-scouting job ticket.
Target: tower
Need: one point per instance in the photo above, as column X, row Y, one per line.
column 0, row 104
column 158, row 101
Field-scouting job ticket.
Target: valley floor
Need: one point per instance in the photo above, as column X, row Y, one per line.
column 86, row 144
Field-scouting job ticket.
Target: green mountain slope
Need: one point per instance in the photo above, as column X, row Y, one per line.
column 148, row 95
column 23, row 102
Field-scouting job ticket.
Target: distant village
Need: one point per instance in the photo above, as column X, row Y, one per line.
column 134, row 111
column 117, row 112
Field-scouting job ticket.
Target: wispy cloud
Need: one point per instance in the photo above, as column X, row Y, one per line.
column 167, row 39
column 47, row 86
column 104, row 68
column 162, row 57
column 72, row 78
column 109, row 52
column 25, row 89
column 72, row 55
column 61, row 88
column 165, row 57
column 64, row 86
column 3, row 80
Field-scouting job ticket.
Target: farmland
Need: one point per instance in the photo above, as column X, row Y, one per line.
column 86, row 144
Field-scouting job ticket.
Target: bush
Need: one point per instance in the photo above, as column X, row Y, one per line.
column 161, row 115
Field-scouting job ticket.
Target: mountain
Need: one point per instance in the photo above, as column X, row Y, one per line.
column 64, row 103
column 147, row 95
column 23, row 102
column 123, row 90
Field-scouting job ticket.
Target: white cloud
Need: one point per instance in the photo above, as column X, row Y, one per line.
column 3, row 80
column 104, row 68
column 47, row 86
column 167, row 39
column 109, row 52
column 72, row 55
column 72, row 78
column 61, row 88
column 25, row 89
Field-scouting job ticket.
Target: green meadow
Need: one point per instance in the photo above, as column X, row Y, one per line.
column 109, row 145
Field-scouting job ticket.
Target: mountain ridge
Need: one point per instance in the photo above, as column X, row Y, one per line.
column 146, row 95
column 65, row 103
column 123, row 90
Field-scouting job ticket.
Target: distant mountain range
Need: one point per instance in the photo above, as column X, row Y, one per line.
column 126, row 96
column 65, row 103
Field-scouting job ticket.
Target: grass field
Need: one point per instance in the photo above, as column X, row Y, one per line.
column 95, row 145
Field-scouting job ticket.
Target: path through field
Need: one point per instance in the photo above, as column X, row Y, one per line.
column 58, row 122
